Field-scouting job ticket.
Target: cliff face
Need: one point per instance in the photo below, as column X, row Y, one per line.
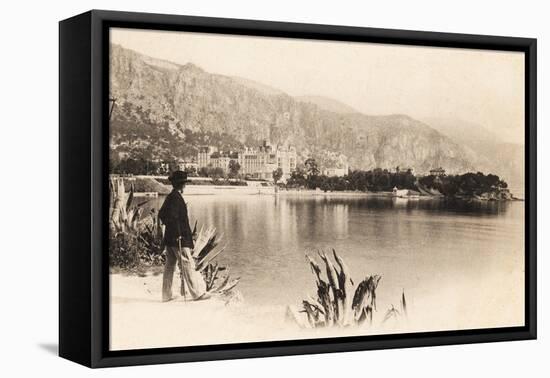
column 161, row 104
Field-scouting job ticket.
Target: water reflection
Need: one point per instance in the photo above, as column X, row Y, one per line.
column 459, row 206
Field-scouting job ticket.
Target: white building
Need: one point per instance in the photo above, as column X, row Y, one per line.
column 336, row 172
column 257, row 162
column 203, row 157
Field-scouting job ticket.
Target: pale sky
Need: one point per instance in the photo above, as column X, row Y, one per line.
column 480, row 86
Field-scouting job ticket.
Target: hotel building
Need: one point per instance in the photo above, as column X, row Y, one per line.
column 257, row 162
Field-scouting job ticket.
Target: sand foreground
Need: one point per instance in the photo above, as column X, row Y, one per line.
column 139, row 320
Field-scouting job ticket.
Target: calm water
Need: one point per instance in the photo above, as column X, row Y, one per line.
column 429, row 248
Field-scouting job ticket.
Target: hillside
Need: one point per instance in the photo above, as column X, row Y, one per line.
column 165, row 109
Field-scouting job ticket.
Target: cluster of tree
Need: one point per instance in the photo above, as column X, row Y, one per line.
column 140, row 166
column 468, row 184
column 377, row 180
column 357, row 180
column 143, row 166
column 216, row 172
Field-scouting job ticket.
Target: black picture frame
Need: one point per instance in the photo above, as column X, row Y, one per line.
column 83, row 182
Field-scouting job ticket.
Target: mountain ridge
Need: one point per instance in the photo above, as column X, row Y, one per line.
column 327, row 103
column 169, row 104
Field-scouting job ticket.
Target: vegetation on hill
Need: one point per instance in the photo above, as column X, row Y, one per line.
column 138, row 137
column 168, row 111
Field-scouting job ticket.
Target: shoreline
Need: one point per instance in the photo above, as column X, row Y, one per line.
column 195, row 190
column 148, row 186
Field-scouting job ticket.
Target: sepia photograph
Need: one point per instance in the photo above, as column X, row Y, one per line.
column 268, row 189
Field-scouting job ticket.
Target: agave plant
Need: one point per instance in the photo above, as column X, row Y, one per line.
column 394, row 313
column 150, row 236
column 134, row 239
column 338, row 301
column 200, row 274
column 125, row 215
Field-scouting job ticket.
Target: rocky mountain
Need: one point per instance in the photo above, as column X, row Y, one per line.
column 165, row 109
column 262, row 88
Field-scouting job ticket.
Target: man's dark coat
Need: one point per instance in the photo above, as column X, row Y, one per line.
column 173, row 215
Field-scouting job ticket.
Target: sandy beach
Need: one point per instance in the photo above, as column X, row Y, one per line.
column 140, row 320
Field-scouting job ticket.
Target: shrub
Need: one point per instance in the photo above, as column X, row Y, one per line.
column 338, row 301
column 134, row 240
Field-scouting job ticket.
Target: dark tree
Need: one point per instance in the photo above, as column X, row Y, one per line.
column 216, row 173
column 297, row 179
column 311, row 167
column 234, row 168
column 277, row 174
column 204, row 172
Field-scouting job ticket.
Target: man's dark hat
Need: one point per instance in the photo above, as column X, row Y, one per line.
column 178, row 177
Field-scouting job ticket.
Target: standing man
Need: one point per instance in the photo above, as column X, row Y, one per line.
column 178, row 237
